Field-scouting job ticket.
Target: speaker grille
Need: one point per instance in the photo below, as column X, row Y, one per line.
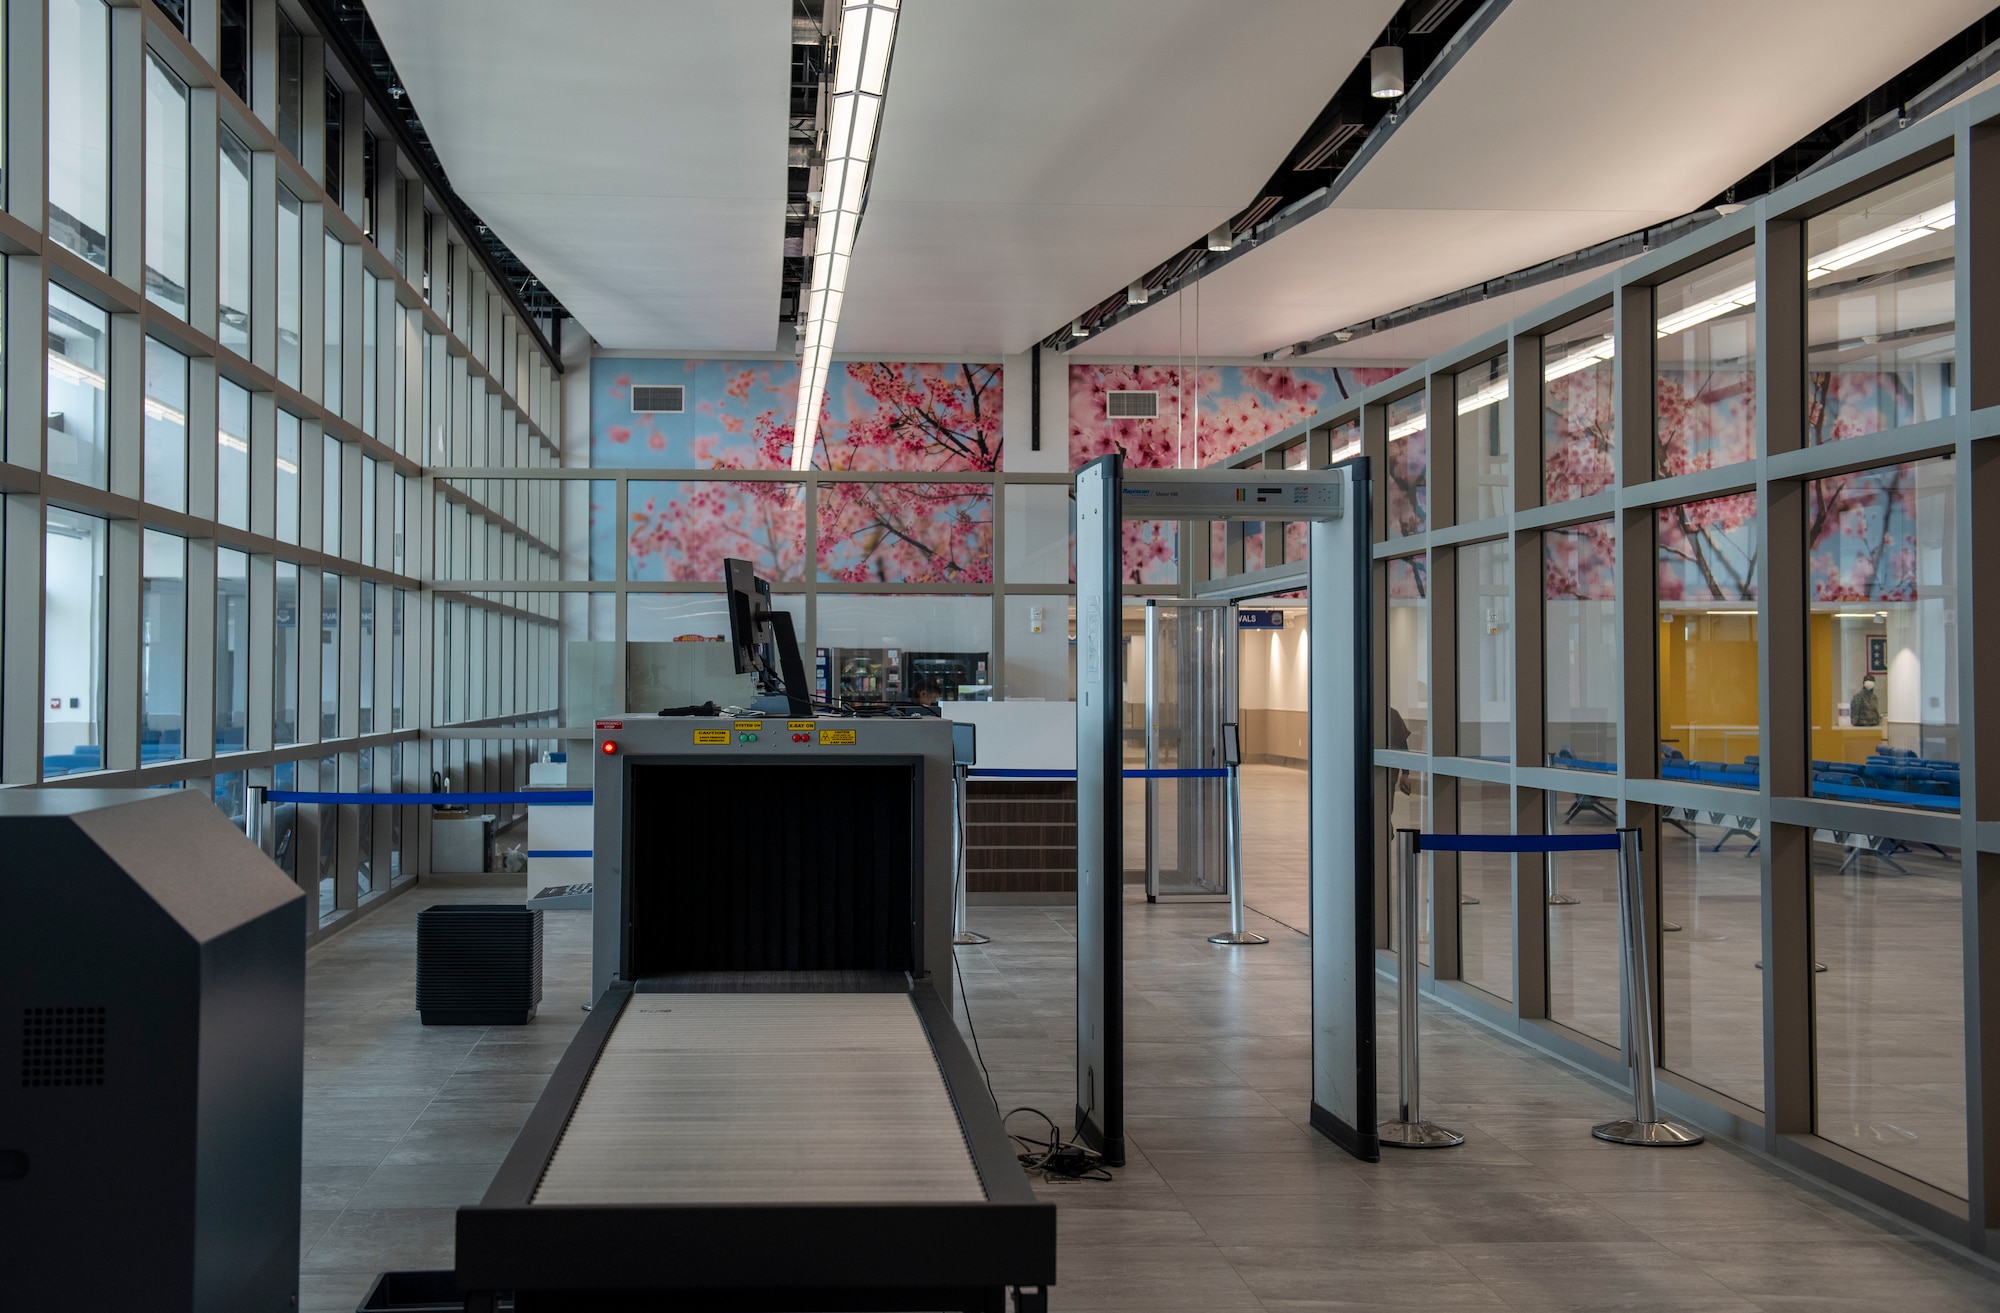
column 1132, row 405
column 62, row 1046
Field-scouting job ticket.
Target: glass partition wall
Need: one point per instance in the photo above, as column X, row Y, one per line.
column 196, row 474
column 1760, row 504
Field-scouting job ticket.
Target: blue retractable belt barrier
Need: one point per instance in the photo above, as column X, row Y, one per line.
column 558, row 852
column 537, row 797
column 1189, row 773
column 1517, row 843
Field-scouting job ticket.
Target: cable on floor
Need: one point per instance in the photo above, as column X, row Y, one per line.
column 1055, row 1158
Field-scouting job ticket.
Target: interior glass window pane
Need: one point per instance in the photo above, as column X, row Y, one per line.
column 1713, row 1029
column 1486, row 891
column 396, row 660
column 371, row 297
column 402, row 508
column 232, row 455
column 1705, row 367
column 165, row 426
column 285, row 821
column 1883, row 648
column 291, row 86
column 364, row 848
column 1039, row 533
column 285, row 657
column 73, row 652
column 683, row 530
column 1409, row 654
column 234, row 52
column 232, row 650
column 291, row 321
column 930, row 533
column 1582, row 903
column 79, row 431
column 228, row 797
column 329, row 656
column 1486, row 650
column 1484, row 439
column 1409, row 466
column 1889, row 1010
column 1580, row 646
column 79, row 90
column 369, row 481
column 335, row 153
column 334, row 304
column 166, row 187
column 1409, row 809
column 1579, row 420
column 163, row 647
column 233, row 234
column 366, row 709
column 1709, row 719
column 287, row 509
column 329, row 834
column 1041, row 665
column 1881, row 309
column 330, row 461
column 886, row 648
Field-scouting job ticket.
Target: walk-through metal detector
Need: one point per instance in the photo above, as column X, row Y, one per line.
column 1190, row 695
column 1335, row 501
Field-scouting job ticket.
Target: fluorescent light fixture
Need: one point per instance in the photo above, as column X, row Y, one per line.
column 70, row 372
column 1727, row 613
column 1580, row 358
column 1351, row 449
column 160, row 410
column 1416, row 424
column 1491, row 395
column 1736, row 298
column 861, row 75
column 1854, row 615
column 1935, row 220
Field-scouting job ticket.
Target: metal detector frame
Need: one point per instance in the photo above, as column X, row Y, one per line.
column 1336, row 502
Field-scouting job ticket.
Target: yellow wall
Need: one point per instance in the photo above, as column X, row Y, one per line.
column 1709, row 679
column 1830, row 740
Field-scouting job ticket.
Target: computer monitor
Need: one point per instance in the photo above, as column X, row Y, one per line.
column 761, row 638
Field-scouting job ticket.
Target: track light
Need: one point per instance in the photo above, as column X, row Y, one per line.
column 1137, row 294
column 1221, row 239
column 1385, row 72
column 1077, row 328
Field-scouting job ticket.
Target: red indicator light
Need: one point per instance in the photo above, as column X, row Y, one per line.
column 610, row 747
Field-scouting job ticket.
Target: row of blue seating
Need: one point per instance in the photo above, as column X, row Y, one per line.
column 1897, row 776
column 157, row 746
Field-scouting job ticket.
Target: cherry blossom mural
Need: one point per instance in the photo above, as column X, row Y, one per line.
column 1409, row 579
column 926, row 533
column 1207, row 414
column 1708, row 550
column 680, row 531
column 1846, row 403
column 1861, row 535
column 1580, row 564
column 737, row 415
column 1703, row 418
column 1579, row 432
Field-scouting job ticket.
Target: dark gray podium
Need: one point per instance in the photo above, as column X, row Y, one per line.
column 152, row 1022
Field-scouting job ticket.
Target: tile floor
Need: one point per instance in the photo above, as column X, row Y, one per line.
column 1228, row 1200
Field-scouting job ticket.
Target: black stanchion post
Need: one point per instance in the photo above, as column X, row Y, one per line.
column 1645, row 1126
column 1410, row 1130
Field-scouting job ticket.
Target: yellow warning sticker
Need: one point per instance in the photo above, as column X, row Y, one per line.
column 836, row 736
column 748, row 725
column 799, row 726
column 711, row 736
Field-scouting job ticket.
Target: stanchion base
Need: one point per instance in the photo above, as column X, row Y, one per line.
column 1659, row 1135
column 1416, row 1135
column 1238, row 937
column 968, row 937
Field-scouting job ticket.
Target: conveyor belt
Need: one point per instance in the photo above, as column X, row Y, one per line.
column 751, row 1098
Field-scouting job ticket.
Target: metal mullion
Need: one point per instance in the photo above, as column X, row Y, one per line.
column 123, row 627
column 21, row 639
column 1561, row 515
column 1722, row 481
column 198, row 716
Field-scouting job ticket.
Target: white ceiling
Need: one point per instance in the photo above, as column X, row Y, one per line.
column 1036, row 154
column 631, row 152
column 1567, row 123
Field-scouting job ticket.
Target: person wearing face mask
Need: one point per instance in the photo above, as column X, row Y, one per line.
column 1863, row 711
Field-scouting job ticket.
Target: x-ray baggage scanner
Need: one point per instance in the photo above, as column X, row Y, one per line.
column 1336, row 503
column 770, row 1106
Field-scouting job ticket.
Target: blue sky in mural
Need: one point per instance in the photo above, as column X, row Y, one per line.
column 732, row 407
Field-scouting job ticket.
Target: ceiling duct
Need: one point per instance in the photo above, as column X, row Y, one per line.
column 1427, row 18
column 1322, row 149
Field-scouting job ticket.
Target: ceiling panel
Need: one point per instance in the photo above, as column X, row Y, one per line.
column 1038, row 153
column 1567, row 123
column 631, row 152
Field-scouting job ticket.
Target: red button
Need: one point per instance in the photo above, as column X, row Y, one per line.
column 609, row 747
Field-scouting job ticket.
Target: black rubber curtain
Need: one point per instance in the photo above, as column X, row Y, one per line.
column 806, row 866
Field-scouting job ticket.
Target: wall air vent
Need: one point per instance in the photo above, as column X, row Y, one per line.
column 1131, row 405
column 667, row 399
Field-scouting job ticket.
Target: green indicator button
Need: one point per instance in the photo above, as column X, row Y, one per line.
column 746, row 738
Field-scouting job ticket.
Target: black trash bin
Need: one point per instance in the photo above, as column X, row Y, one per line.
column 479, row 964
